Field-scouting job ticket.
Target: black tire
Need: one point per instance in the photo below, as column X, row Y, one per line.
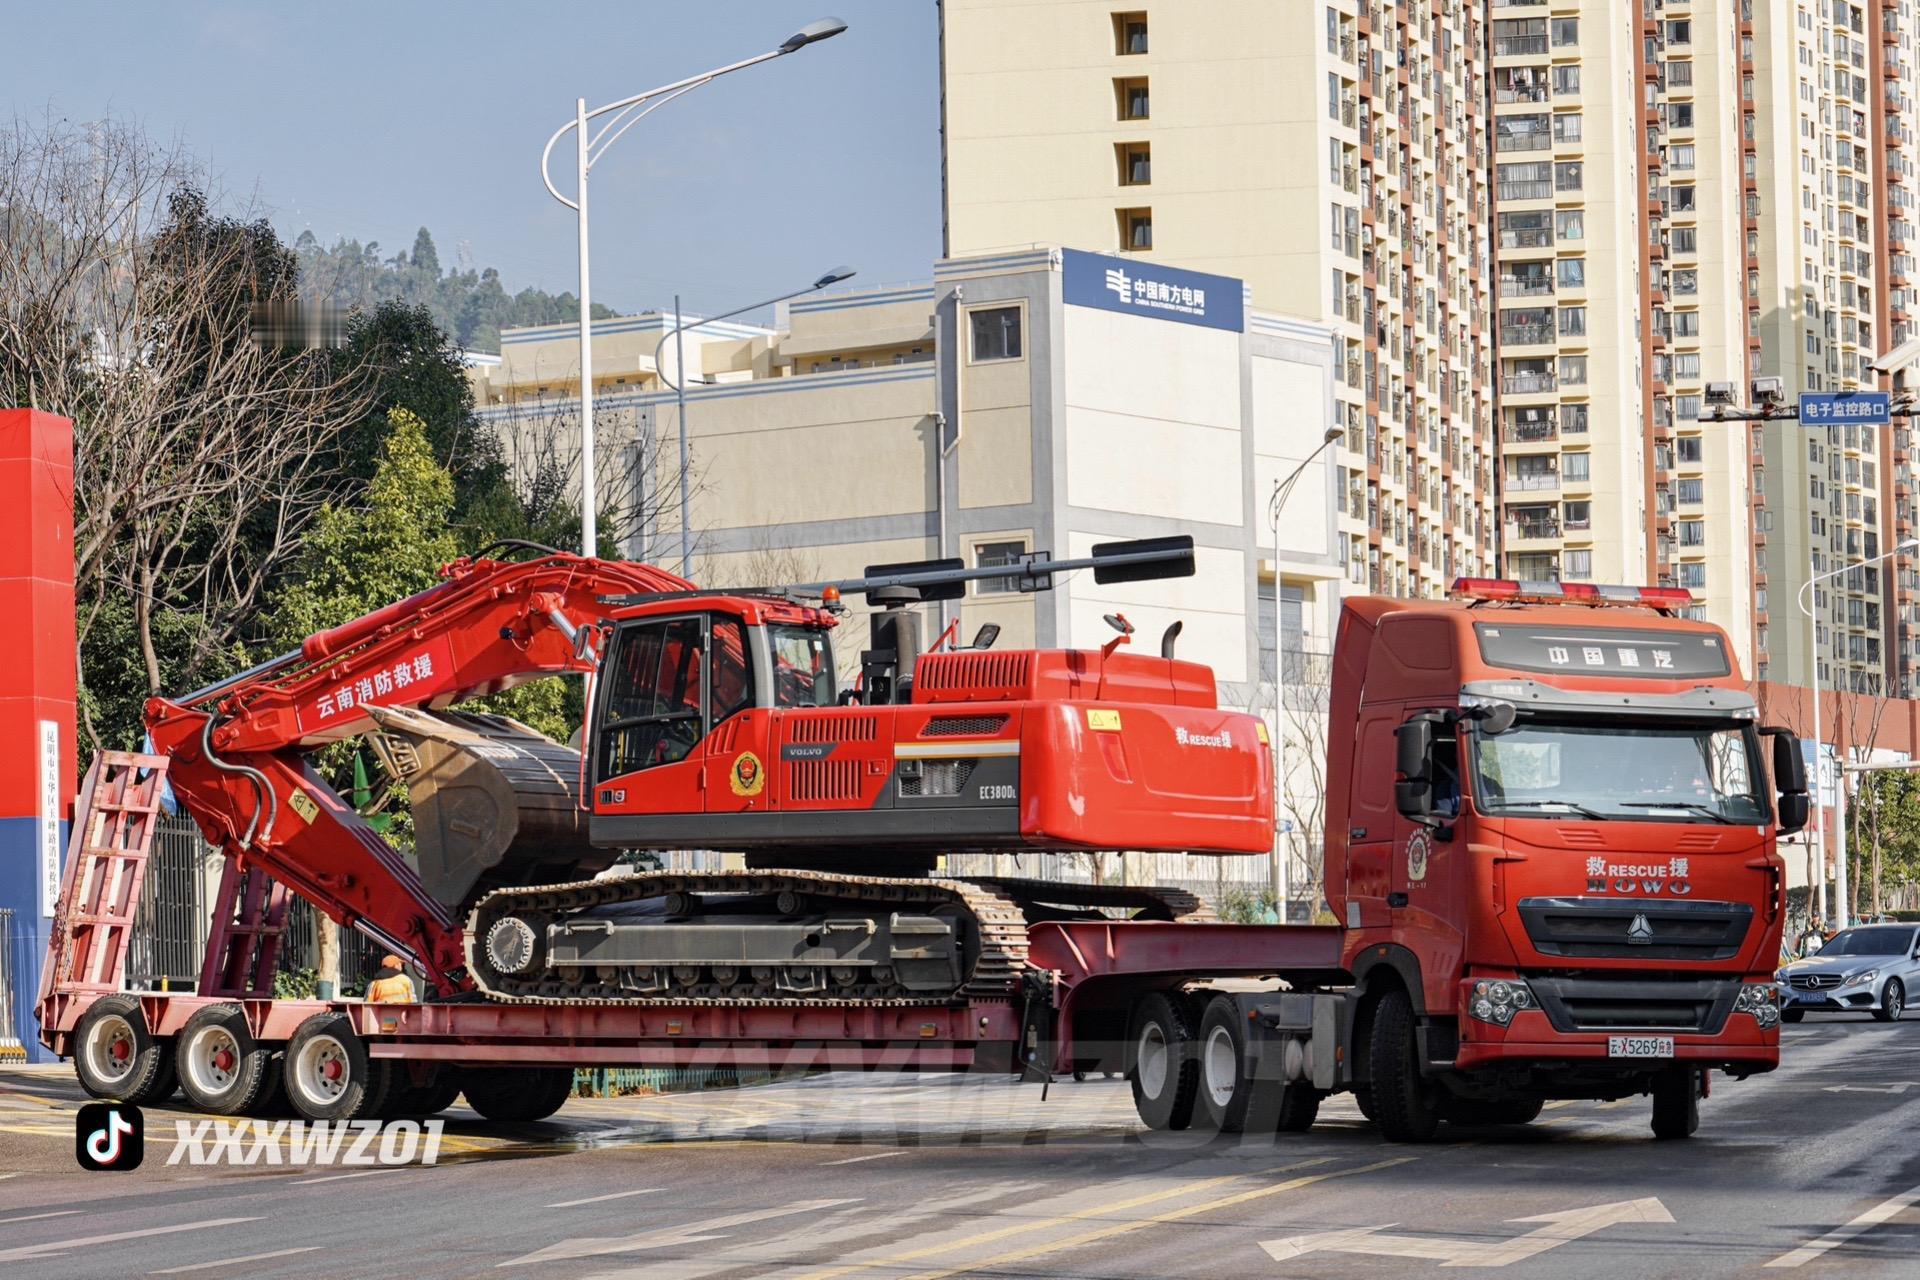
column 1792, row 1015
column 1405, row 1102
column 1676, row 1102
column 328, row 1073
column 1299, row 1108
column 117, row 1058
column 1162, row 1065
column 444, row 1092
column 517, row 1094
column 1893, row 1001
column 1478, row 1113
column 1227, row 1093
column 416, row 1098
column 223, row 1070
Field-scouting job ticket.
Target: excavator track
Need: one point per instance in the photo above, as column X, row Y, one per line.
column 1000, row 910
column 999, row 944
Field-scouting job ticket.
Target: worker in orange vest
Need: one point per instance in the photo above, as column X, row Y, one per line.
column 391, row 985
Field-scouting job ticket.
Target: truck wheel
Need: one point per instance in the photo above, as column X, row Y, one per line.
column 328, row 1073
column 518, row 1094
column 1792, row 1015
column 1226, row 1091
column 1299, row 1107
column 116, row 1057
column 223, row 1070
column 1480, row 1113
column 1676, row 1102
column 1161, row 1062
column 1404, row 1101
column 1893, row 1002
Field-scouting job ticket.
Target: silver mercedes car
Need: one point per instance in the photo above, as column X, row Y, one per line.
column 1870, row 968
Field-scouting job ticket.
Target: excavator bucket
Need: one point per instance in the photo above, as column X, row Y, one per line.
column 495, row 804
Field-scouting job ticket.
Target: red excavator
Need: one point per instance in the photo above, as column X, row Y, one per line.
column 716, row 720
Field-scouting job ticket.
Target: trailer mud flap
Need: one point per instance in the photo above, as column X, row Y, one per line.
column 1038, row 1045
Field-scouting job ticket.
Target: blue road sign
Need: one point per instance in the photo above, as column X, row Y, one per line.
column 1823, row 408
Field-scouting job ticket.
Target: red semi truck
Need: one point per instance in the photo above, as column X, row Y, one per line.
column 1550, row 854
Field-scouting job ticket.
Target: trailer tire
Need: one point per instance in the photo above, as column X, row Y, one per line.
column 1227, row 1093
column 444, row 1091
column 117, row 1058
column 1299, row 1107
column 1676, row 1102
column 223, row 1070
column 518, row 1094
column 1162, row 1065
column 1404, row 1100
column 329, row 1075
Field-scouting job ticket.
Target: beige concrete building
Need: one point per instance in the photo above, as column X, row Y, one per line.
column 1333, row 156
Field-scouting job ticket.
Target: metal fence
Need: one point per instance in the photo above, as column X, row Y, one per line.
column 10, row 1044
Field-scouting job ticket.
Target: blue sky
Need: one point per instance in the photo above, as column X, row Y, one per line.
column 370, row 120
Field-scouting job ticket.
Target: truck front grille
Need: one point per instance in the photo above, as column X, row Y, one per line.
column 1694, row 1007
column 1636, row 928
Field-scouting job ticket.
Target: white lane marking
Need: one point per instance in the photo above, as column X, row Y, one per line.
column 5, row 1176
column 884, row 1155
column 364, row 1173
column 689, row 1233
column 35, row 1217
column 1840, row 1235
column 611, row 1195
column 38, row 1252
column 1559, row 1229
column 1897, row 1086
column 234, row 1262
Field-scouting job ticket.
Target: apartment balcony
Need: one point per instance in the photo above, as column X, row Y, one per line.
column 1527, row 335
column 1533, row 482
column 1535, row 431
column 1527, row 384
column 1532, row 190
column 1543, row 529
column 1527, row 287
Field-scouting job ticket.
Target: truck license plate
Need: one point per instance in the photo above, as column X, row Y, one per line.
column 1639, row 1046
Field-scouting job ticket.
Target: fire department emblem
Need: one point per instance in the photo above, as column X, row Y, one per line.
column 1418, row 847
column 746, row 777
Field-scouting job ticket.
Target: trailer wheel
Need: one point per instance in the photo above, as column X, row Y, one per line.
column 223, row 1070
column 1225, row 1089
column 517, row 1093
column 328, row 1073
column 1404, row 1101
column 116, row 1057
column 1162, row 1063
column 1676, row 1102
column 1299, row 1107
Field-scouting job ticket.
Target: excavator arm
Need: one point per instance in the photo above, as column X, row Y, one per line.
column 238, row 748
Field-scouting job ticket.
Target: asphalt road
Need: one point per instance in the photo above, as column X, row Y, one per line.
column 1812, row 1170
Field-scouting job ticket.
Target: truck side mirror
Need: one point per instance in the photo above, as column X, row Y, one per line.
column 1413, row 760
column 1789, row 779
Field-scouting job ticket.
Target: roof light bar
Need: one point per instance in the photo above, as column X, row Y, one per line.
column 1548, row 591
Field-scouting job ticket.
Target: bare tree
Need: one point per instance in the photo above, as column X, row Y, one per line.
column 200, row 453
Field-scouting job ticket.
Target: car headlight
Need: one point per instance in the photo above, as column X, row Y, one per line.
column 1761, row 999
column 1496, row 1000
column 1865, row 975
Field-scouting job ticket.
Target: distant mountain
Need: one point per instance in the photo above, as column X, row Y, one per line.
column 472, row 306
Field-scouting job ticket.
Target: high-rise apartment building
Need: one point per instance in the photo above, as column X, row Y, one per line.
column 1334, row 156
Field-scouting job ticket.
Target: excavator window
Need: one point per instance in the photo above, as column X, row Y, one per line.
column 730, row 674
column 803, row 674
column 654, row 708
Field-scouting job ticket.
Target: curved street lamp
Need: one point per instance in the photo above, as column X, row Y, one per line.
column 588, row 149
column 678, row 382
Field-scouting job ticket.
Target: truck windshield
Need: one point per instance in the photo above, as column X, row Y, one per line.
column 802, row 667
column 1621, row 772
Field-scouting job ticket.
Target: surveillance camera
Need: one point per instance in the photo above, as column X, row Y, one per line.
column 1723, row 393
column 1900, row 359
column 1769, row 390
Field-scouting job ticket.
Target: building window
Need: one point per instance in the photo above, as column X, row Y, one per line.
column 1680, row 156
column 1690, row 492
column 988, row 555
column 1569, row 175
column 1689, row 449
column 1685, row 240
column 1686, row 366
column 1570, row 224
column 996, row 333
column 1136, row 229
column 1136, row 163
column 1686, row 324
column 1566, row 127
column 1571, row 273
column 1566, row 31
column 1579, row 515
column 1693, row 574
column 1680, row 115
column 1573, row 371
column 1573, row 322
column 1577, row 466
column 1686, row 281
column 1129, row 33
column 1693, row 533
column 1577, row 564
column 1130, row 98
column 1680, row 32
column 1566, row 80
column 1573, row 419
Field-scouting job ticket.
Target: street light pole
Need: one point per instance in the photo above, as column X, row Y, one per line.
column 1282, row 490
column 679, row 384
column 588, row 150
column 1806, row 601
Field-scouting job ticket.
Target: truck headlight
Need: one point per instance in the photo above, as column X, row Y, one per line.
column 1496, row 1000
column 1865, row 975
column 1762, row 1000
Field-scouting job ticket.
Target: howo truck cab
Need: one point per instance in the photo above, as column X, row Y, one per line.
column 1551, row 842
